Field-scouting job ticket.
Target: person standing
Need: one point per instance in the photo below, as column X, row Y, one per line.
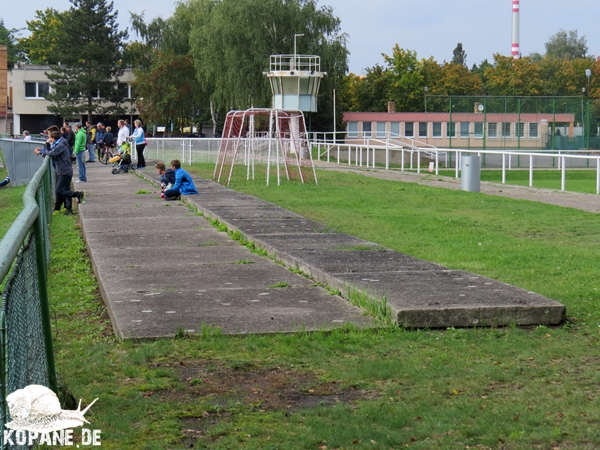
column 140, row 143
column 79, row 150
column 90, row 141
column 26, row 136
column 61, row 156
column 122, row 134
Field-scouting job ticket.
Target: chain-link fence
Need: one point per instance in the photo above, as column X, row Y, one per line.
column 519, row 123
column 26, row 355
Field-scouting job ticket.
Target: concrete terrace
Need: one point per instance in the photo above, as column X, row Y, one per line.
column 162, row 268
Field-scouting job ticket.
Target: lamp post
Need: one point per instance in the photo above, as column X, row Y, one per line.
column 295, row 36
column 426, row 123
column 588, row 74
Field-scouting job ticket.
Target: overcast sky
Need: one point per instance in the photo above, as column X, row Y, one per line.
column 429, row 27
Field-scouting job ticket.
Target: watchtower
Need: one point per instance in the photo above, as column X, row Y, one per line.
column 295, row 81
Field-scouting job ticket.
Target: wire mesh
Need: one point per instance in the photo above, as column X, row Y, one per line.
column 25, row 337
column 517, row 122
column 23, row 345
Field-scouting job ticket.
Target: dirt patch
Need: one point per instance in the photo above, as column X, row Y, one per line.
column 225, row 388
column 265, row 389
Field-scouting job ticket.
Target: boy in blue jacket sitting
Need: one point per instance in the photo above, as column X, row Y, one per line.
column 183, row 183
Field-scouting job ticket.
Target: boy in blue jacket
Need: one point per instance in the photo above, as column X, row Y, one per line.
column 183, row 183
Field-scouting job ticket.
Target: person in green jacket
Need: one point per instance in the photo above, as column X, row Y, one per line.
column 79, row 150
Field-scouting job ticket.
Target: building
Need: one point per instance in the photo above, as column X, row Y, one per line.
column 477, row 130
column 5, row 101
column 28, row 84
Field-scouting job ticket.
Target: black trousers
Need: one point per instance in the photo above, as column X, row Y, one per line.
column 141, row 162
column 64, row 192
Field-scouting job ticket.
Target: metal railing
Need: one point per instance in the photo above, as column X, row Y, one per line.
column 187, row 150
column 411, row 158
column 26, row 354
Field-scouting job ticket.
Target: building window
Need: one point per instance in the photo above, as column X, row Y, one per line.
column 381, row 129
column 451, row 129
column 519, row 129
column 534, row 131
column 492, row 130
column 367, row 129
column 464, row 129
column 505, row 129
column 395, row 129
column 423, row 129
column 437, row 129
column 478, row 133
column 409, row 129
column 37, row 89
column 352, row 129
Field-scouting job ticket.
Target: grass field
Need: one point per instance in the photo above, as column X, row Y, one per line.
column 576, row 180
column 509, row 388
column 11, row 203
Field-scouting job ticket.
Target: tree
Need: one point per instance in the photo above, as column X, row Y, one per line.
column 407, row 82
column 232, row 41
column 566, row 44
column 89, row 50
column 7, row 37
column 511, row 76
column 457, row 80
column 372, row 91
column 459, row 56
column 46, row 30
column 168, row 92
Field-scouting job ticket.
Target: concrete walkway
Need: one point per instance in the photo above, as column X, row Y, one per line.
column 162, row 268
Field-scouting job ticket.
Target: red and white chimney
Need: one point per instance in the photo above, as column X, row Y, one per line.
column 516, row 50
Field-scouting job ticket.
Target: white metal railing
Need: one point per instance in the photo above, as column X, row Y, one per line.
column 367, row 155
column 205, row 150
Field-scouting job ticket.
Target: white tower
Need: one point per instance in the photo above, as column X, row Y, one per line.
column 516, row 50
column 295, row 81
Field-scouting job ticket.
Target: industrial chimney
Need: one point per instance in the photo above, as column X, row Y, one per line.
column 516, row 50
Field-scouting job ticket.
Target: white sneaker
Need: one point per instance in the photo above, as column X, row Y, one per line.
column 77, row 181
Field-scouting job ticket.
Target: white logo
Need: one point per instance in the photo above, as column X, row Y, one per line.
column 36, row 413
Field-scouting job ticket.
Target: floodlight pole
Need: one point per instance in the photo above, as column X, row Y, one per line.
column 295, row 36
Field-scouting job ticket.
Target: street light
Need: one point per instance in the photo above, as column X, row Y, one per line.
column 295, row 36
column 588, row 74
column 425, row 89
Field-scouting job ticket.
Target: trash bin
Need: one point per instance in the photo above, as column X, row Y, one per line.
column 470, row 174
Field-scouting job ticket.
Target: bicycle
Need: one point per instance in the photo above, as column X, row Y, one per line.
column 104, row 154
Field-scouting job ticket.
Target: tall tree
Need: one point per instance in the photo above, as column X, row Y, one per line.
column 459, row 56
column 511, row 76
column 566, row 44
column 232, row 47
column 407, row 82
column 372, row 91
column 89, row 50
column 168, row 92
column 46, row 29
column 8, row 38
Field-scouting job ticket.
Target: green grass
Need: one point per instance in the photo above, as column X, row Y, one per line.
column 576, row 180
column 11, row 203
column 511, row 388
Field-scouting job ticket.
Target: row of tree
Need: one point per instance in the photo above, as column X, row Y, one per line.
column 406, row 80
column 209, row 57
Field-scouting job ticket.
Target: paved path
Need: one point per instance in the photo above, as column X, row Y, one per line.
column 586, row 202
column 163, row 268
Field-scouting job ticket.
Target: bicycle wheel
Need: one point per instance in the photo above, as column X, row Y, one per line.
column 105, row 156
